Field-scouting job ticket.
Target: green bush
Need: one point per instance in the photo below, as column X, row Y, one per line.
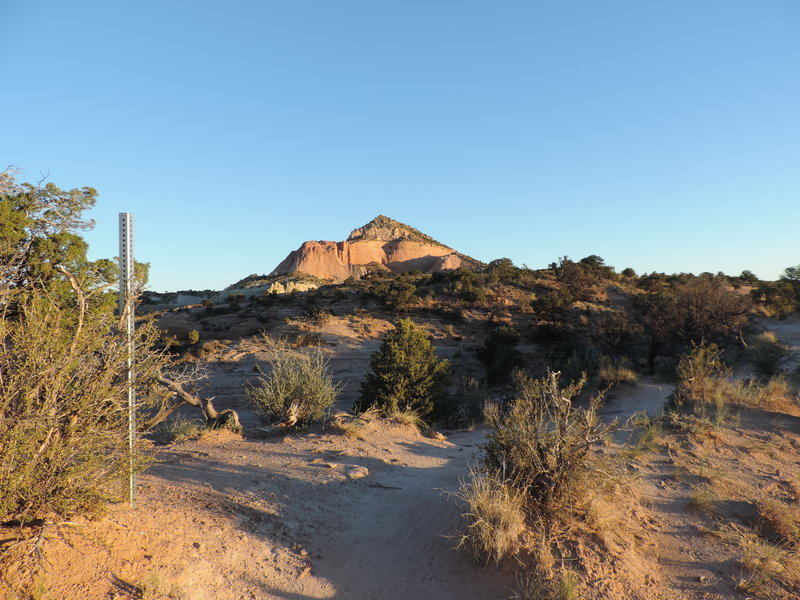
column 552, row 306
column 396, row 295
column 406, row 374
column 499, row 354
column 298, row 389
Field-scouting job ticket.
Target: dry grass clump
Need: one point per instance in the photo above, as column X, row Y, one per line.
column 781, row 519
column 705, row 387
column 703, row 499
column 535, row 586
column 773, row 394
column 495, row 516
column 182, row 428
column 766, row 565
column 615, row 371
column 648, row 430
column 210, row 348
column 349, row 425
column 468, row 403
column 776, row 394
column 354, row 425
column 410, row 419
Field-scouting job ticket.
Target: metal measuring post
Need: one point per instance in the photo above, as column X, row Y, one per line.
column 126, row 263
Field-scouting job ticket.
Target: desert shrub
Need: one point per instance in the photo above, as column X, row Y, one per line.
column 501, row 270
column 472, row 293
column 467, row 403
column 298, row 388
column 701, row 373
column 552, row 306
column 318, row 316
column 613, row 330
column 538, row 468
column 582, row 278
column 706, row 309
column 307, row 340
column 767, row 353
column 63, row 363
column 464, row 283
column 574, row 360
column 779, row 298
column 210, row 348
column 541, row 443
column 396, row 295
column 499, row 353
column 614, row 371
column 63, row 422
column 495, row 517
column 550, row 333
column 405, row 374
column 194, row 336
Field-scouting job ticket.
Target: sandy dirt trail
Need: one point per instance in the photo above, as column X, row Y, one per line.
column 391, row 536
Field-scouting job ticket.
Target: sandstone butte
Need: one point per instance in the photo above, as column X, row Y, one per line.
column 381, row 244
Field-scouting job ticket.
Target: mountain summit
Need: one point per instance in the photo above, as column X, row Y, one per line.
column 381, row 244
column 384, row 229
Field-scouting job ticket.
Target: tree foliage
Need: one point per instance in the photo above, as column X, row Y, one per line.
column 396, row 294
column 582, row 279
column 406, row 374
column 63, row 362
column 499, row 353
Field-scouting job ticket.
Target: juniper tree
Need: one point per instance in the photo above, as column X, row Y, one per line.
column 406, row 374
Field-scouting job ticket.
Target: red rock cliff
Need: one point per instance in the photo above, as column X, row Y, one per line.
column 382, row 241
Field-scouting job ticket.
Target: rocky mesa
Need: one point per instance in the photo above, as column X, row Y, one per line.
column 381, row 244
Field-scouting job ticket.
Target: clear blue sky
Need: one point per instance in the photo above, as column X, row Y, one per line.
column 660, row 135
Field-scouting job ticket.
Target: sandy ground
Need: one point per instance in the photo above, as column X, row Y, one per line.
column 317, row 515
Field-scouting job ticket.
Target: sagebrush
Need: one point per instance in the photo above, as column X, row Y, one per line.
column 541, row 442
column 297, row 388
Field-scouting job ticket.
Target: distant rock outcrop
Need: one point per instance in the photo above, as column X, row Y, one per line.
column 380, row 244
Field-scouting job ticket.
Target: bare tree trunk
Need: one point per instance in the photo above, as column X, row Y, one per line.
column 214, row 419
